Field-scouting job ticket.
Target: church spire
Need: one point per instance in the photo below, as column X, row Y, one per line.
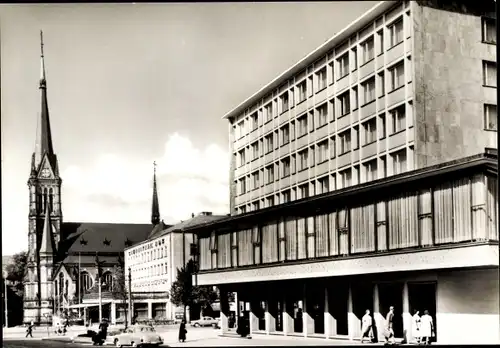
column 155, row 210
column 46, row 244
column 43, row 143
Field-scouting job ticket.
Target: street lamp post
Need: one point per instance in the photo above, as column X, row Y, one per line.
column 5, row 298
column 130, row 294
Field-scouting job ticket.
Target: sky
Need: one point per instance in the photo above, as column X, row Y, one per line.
column 129, row 84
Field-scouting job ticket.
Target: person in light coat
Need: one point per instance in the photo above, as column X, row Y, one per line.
column 415, row 328
column 366, row 325
column 426, row 327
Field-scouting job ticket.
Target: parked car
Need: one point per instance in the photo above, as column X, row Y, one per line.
column 205, row 321
column 135, row 336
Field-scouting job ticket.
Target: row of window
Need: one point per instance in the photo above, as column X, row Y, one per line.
column 318, row 81
column 146, row 253
column 370, row 170
column 344, row 142
column 149, row 271
column 319, row 117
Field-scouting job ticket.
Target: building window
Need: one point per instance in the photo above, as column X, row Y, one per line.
column 255, row 206
column 343, row 65
column 243, row 210
column 286, row 196
column 369, row 90
column 396, row 32
column 332, row 146
column 270, row 174
column 489, row 30
column 397, row 74
column 255, row 150
column 270, row 201
column 383, row 167
column 322, row 151
column 355, row 58
column 370, row 130
column 241, row 155
column 380, row 36
column 490, row 117
column 332, row 75
column 285, row 167
column 355, row 138
column 268, row 110
column 322, row 112
column 345, row 105
column 382, row 126
column 355, row 98
column 254, row 119
column 489, row 73
column 345, row 141
column 256, row 181
column 399, row 162
column 243, row 186
column 346, row 178
column 381, row 84
column 303, row 160
column 285, row 135
column 87, row 282
column 284, row 102
column 398, row 119
column 269, row 143
column 302, row 91
column 323, row 185
column 304, row 191
column 302, row 121
column 321, row 78
column 371, row 170
column 368, row 50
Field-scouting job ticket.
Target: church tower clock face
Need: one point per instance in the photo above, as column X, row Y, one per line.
column 45, row 173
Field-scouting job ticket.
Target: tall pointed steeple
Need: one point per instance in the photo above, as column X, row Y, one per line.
column 155, row 210
column 46, row 242
column 43, row 144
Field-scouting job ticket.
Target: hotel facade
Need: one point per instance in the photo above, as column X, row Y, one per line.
column 364, row 177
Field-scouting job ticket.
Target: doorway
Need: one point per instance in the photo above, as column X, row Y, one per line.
column 422, row 296
column 391, row 294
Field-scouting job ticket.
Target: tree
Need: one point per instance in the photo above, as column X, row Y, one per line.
column 119, row 288
column 16, row 270
column 184, row 293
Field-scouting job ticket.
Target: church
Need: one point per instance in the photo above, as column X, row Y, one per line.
column 61, row 266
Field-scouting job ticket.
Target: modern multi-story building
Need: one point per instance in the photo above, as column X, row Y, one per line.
column 364, row 177
column 153, row 266
column 380, row 98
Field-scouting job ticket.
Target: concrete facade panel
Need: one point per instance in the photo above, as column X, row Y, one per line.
column 369, row 150
column 395, row 53
column 367, row 69
column 342, row 84
column 343, row 122
column 397, row 139
column 368, row 110
column 395, row 96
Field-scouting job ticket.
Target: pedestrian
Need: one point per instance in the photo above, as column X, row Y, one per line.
column 366, row 326
column 415, row 328
column 29, row 330
column 182, row 331
column 426, row 328
column 389, row 332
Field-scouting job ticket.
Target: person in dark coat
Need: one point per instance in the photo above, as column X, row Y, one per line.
column 29, row 331
column 182, row 331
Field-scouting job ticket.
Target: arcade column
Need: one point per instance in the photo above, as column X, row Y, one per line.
column 253, row 320
column 288, row 320
column 113, row 312
column 308, row 321
column 407, row 322
column 353, row 323
column 330, row 322
column 270, row 319
column 224, row 310
column 377, row 316
column 150, row 310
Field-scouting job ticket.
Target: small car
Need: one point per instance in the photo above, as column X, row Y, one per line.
column 135, row 336
column 205, row 321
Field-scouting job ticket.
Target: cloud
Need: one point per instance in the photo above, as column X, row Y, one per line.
column 119, row 189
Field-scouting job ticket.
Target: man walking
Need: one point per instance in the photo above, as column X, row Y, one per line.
column 29, row 331
column 389, row 332
column 366, row 325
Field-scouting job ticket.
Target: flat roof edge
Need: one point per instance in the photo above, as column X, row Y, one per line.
column 370, row 14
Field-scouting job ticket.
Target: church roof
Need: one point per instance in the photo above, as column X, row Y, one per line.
column 158, row 229
column 92, row 237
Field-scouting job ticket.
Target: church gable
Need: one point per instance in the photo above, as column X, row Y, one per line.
column 46, row 171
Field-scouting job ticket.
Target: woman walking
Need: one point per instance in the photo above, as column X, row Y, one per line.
column 426, row 327
column 182, row 331
column 415, row 328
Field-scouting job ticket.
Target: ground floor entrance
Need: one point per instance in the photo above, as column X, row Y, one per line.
column 334, row 307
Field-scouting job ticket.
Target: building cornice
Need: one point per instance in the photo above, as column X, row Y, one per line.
column 487, row 161
column 356, row 25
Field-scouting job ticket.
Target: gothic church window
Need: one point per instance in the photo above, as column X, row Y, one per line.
column 51, row 199
column 86, row 280
column 39, row 199
column 107, row 281
column 45, row 199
